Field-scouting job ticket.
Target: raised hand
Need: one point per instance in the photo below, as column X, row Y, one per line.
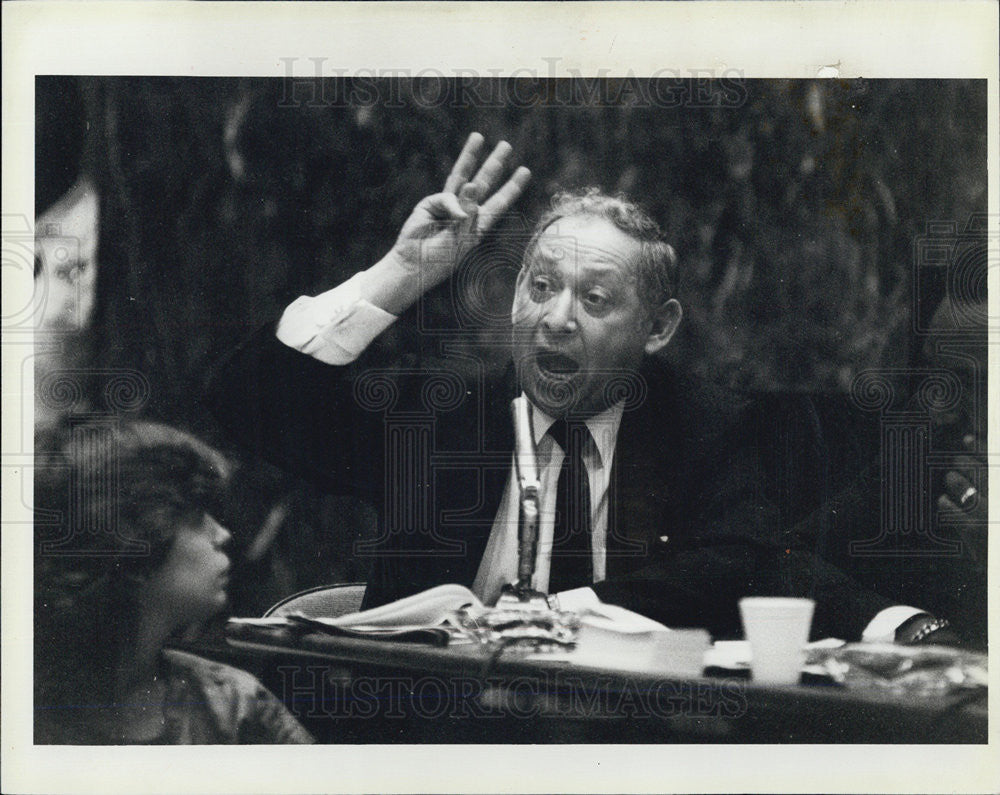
column 963, row 506
column 445, row 226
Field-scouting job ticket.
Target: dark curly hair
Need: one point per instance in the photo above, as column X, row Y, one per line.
column 656, row 263
column 109, row 499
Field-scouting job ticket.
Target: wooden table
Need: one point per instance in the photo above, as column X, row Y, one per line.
column 347, row 690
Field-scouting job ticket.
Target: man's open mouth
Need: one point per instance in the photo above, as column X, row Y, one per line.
column 556, row 364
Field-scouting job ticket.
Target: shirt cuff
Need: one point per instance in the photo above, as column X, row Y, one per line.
column 334, row 327
column 882, row 628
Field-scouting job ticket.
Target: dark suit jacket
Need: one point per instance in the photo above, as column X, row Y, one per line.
column 705, row 487
column 915, row 563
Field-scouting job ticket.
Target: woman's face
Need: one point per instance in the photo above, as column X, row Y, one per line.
column 191, row 583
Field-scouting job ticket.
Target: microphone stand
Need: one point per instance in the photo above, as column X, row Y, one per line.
column 522, row 617
column 521, row 593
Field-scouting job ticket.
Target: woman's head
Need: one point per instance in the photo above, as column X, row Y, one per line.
column 112, row 498
column 125, row 533
column 190, row 584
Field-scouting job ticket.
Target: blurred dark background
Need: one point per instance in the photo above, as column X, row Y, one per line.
column 794, row 206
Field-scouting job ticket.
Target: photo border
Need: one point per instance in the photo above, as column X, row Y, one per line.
column 784, row 39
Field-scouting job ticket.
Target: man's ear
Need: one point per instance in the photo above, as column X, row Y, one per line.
column 665, row 321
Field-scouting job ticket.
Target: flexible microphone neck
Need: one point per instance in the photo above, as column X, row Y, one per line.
column 526, row 463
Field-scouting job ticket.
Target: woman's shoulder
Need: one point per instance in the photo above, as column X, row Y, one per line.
column 184, row 665
column 241, row 709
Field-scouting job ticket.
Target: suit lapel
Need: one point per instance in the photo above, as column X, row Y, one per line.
column 638, row 492
column 492, row 426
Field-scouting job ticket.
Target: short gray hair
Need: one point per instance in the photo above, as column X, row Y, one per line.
column 656, row 263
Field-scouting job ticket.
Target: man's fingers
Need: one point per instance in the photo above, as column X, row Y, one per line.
column 950, row 512
column 959, row 488
column 490, row 172
column 468, row 191
column 951, row 515
column 970, row 530
column 502, row 200
column 963, row 495
column 444, row 206
column 464, row 165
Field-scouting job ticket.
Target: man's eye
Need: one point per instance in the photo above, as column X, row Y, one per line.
column 597, row 299
column 541, row 286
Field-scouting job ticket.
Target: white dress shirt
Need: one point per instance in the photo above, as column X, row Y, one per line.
column 499, row 564
column 336, row 327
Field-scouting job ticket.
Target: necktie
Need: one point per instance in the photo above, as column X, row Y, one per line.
column 571, row 565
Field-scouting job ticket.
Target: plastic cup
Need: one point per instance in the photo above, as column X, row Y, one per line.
column 778, row 630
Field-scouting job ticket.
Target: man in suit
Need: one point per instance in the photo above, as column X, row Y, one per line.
column 880, row 524
column 659, row 495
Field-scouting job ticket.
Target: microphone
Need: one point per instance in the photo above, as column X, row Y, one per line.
column 526, row 463
column 525, row 452
column 522, row 615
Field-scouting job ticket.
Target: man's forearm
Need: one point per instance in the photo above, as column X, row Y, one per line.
column 336, row 326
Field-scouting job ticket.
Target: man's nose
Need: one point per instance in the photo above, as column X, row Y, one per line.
column 560, row 313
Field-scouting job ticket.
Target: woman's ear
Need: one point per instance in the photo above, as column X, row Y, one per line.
column 665, row 321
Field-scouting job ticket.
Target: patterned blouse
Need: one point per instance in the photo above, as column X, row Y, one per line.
column 211, row 703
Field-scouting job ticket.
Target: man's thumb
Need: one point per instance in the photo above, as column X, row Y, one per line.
column 445, row 205
column 468, row 197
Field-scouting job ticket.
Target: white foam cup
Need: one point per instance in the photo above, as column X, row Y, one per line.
column 778, row 630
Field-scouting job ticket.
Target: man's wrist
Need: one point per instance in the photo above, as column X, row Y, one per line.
column 394, row 284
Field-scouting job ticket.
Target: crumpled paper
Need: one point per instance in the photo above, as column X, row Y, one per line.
column 913, row 670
